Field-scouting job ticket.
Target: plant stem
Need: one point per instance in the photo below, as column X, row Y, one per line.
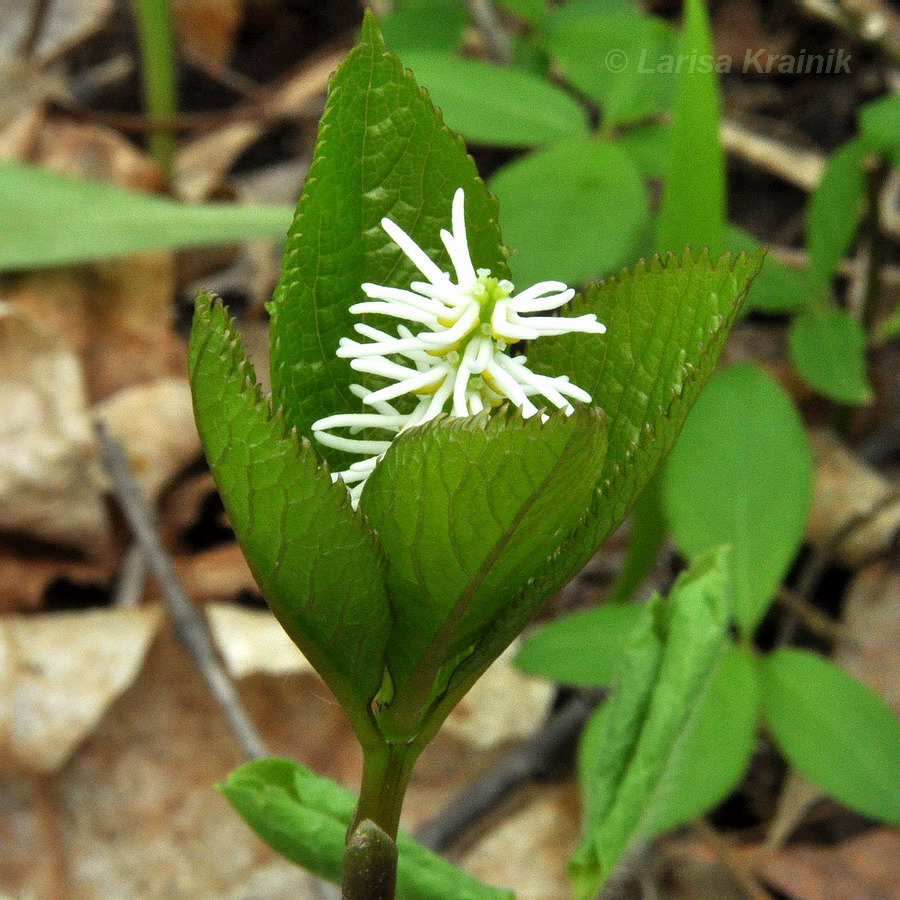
column 158, row 72
column 370, row 859
column 370, row 864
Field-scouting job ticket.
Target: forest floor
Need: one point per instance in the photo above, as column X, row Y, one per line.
column 110, row 744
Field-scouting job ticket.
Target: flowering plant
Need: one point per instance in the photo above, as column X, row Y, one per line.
column 402, row 577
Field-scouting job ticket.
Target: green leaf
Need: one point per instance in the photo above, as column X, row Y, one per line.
column 315, row 559
column 667, row 669
column 467, row 511
column 382, row 151
column 692, row 211
column 615, row 58
column 835, row 730
column 582, row 649
column 742, row 474
column 666, row 324
column 777, row 288
column 670, row 320
column 879, row 122
column 645, row 539
column 712, row 753
column 305, row 818
column 715, row 748
column 51, row 220
column 557, row 206
column 828, row 347
column 425, row 25
column 504, row 107
column 833, row 212
column 649, row 148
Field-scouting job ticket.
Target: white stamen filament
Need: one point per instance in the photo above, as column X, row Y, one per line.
column 458, row 358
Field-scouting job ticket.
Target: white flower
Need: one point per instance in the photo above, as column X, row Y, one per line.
column 456, row 360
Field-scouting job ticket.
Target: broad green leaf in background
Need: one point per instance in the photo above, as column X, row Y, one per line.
column 305, row 818
column 692, row 211
column 741, row 474
column 571, row 212
column 382, row 151
column 425, row 25
column 649, row 148
column 501, row 491
column 582, row 649
column 667, row 669
column 834, row 207
column 879, row 123
column 615, row 59
column 834, row 730
column 489, row 104
column 317, row 563
column 51, row 220
column 777, row 288
column 828, row 347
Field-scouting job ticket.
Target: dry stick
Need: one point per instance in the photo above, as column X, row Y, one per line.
column 132, row 577
column 189, row 626
column 485, row 16
column 870, row 21
column 35, row 27
column 519, row 765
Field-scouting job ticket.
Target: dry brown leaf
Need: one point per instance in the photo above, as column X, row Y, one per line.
column 863, row 867
column 24, row 579
column 251, row 642
column 135, row 813
column 688, row 868
column 797, row 797
column 81, row 150
column 154, row 423
column 202, row 164
column 64, row 25
column 504, row 705
column 51, row 484
column 117, row 316
column 872, row 626
column 207, row 28
column 850, row 493
column 527, row 852
column 217, row 574
column 58, row 674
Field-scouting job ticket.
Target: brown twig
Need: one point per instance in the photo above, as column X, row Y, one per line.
column 815, row 620
column 191, row 629
column 869, row 21
column 484, row 14
column 522, row 763
column 35, row 27
column 53, row 856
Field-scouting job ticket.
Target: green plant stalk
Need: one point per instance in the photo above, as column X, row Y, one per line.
column 370, row 857
column 156, row 34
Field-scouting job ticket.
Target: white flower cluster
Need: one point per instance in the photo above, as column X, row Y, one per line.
column 456, row 360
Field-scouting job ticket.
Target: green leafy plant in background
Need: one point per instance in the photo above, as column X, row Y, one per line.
column 615, row 60
column 402, row 593
column 739, row 477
